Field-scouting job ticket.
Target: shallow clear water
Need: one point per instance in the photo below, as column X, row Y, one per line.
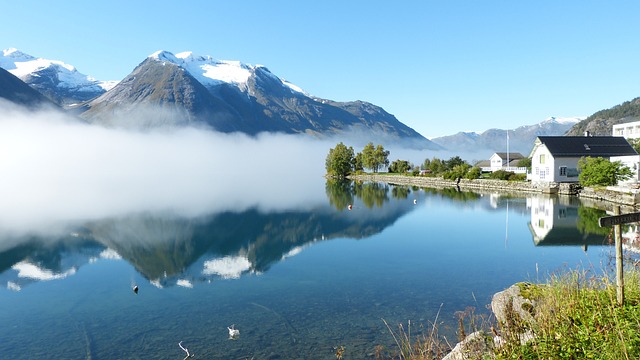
column 297, row 283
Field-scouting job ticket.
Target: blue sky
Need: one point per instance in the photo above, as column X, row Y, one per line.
column 438, row 66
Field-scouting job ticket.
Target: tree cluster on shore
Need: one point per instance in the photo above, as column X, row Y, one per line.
column 343, row 161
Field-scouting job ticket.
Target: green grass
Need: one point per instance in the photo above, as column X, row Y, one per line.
column 575, row 316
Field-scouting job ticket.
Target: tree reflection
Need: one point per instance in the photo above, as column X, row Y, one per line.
column 371, row 193
column 455, row 194
column 587, row 222
column 339, row 192
column 400, row 192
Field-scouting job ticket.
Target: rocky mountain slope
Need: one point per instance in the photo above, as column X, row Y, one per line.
column 16, row 91
column 228, row 96
column 601, row 123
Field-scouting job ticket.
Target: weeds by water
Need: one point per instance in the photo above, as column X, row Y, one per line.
column 424, row 344
column 576, row 316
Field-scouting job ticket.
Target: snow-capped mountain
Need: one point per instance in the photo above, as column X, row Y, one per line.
column 495, row 140
column 16, row 91
column 230, row 96
column 211, row 72
column 60, row 82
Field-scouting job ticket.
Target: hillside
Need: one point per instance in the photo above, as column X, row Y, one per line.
column 601, row 122
column 16, row 91
column 229, row 96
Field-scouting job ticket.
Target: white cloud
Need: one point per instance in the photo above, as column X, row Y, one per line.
column 57, row 170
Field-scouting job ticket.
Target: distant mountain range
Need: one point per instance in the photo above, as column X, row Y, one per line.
column 168, row 89
column 495, row 140
column 227, row 96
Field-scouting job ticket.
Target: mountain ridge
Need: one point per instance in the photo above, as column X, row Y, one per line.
column 230, row 96
column 519, row 139
column 60, row 82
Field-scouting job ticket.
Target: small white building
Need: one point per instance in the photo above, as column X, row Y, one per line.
column 505, row 161
column 629, row 130
column 555, row 158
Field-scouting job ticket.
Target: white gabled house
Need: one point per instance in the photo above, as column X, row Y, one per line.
column 503, row 160
column 555, row 158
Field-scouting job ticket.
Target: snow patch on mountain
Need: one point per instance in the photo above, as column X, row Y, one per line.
column 24, row 66
column 565, row 120
column 211, row 72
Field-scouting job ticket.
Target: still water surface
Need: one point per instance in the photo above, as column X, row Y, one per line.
column 296, row 283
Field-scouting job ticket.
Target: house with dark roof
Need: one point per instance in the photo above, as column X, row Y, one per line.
column 502, row 160
column 555, row 158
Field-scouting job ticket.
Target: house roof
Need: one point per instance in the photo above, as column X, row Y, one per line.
column 578, row 146
column 512, row 156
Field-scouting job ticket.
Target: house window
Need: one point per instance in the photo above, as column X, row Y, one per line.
column 547, row 171
column 563, row 171
column 541, row 175
column 562, row 213
column 537, row 171
column 541, row 158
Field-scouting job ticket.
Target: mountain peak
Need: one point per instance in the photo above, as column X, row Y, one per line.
column 16, row 54
column 163, row 55
column 60, row 82
column 563, row 120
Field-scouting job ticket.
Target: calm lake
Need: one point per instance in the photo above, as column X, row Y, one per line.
column 297, row 282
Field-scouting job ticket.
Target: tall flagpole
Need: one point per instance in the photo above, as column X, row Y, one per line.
column 508, row 150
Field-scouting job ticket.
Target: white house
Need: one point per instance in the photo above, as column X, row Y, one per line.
column 553, row 223
column 505, row 161
column 555, row 158
column 628, row 130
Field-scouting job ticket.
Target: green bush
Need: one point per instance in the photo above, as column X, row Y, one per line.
column 501, row 175
column 473, row 173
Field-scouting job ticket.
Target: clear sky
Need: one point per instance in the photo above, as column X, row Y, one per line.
column 438, row 66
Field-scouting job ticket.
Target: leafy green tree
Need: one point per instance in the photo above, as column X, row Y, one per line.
column 339, row 161
column 473, row 173
column 399, row 166
column 358, row 162
column 426, row 164
column 453, row 162
column 635, row 143
column 367, row 156
column 525, row 162
column 381, row 157
column 458, row 171
column 375, row 158
column 436, row 166
column 601, row 172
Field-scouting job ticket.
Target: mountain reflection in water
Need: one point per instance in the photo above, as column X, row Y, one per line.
column 164, row 249
column 292, row 280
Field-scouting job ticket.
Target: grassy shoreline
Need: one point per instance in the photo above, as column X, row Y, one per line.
column 575, row 314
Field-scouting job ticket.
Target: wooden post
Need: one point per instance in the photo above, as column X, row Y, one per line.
column 619, row 261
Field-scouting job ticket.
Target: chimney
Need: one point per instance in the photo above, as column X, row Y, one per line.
column 587, row 133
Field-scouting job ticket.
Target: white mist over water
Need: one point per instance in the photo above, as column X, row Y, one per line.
column 56, row 170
